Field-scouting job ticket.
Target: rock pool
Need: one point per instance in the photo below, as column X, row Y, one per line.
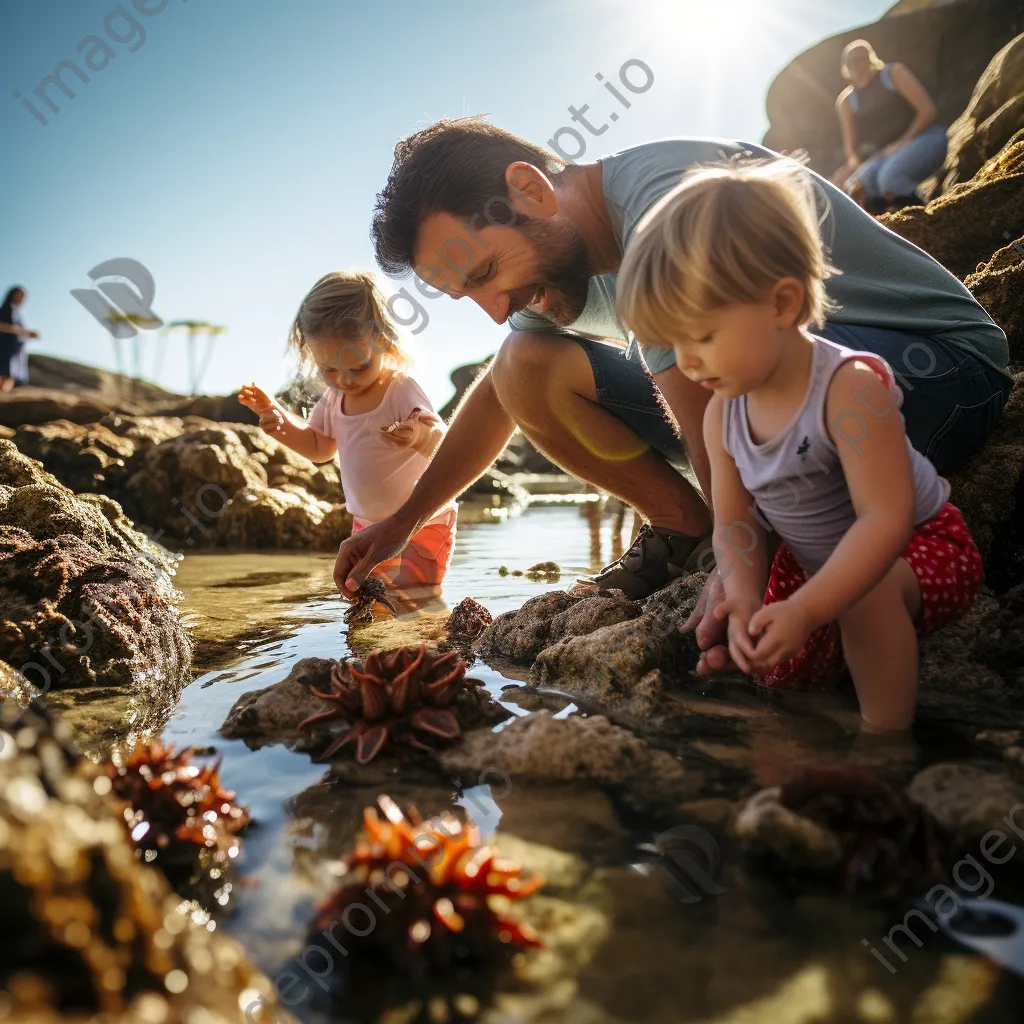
column 627, row 940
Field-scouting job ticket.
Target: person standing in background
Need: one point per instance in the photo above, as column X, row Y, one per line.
column 889, row 133
column 13, row 359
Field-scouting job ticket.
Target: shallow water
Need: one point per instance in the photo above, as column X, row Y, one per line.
column 742, row 950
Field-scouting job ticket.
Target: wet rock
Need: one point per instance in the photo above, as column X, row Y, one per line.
column 993, row 115
column 88, row 932
column 548, row 749
column 1000, row 648
column 272, row 714
column 521, row 635
column 84, row 597
column 953, row 658
column 972, row 801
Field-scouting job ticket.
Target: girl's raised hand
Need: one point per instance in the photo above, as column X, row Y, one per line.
column 255, row 398
column 271, row 417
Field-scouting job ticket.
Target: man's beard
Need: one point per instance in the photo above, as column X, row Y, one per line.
column 563, row 268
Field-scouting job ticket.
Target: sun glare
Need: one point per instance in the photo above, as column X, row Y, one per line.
column 701, row 23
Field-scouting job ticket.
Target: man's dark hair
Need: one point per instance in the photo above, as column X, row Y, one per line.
column 455, row 166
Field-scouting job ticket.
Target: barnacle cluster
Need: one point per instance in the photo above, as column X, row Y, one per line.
column 444, row 892
column 405, row 695
column 467, row 621
column 102, row 614
column 176, row 808
column 372, row 590
column 891, row 845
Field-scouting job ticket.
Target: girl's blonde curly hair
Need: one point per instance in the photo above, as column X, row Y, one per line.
column 346, row 304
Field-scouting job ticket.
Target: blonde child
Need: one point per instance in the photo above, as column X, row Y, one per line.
column 805, row 438
column 373, row 416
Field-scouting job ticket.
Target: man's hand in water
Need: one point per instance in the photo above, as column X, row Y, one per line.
column 365, row 550
column 711, row 631
column 271, row 417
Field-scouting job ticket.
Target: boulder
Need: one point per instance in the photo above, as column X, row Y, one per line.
column 197, row 482
column 994, row 114
column 83, row 457
column 84, row 597
column 87, row 928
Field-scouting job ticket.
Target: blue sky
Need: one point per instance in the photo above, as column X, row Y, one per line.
column 237, row 151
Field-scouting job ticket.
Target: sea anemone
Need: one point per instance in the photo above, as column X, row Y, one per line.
column 402, row 694
column 175, row 807
column 466, row 622
column 438, row 890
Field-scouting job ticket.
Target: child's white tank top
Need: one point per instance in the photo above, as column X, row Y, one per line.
column 797, row 478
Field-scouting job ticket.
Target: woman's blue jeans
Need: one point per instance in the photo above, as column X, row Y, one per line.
column 901, row 173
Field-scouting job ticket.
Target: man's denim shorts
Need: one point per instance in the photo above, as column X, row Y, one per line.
column 951, row 399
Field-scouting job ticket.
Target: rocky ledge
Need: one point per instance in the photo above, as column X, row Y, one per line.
column 196, row 482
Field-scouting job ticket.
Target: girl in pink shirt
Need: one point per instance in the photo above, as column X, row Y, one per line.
column 373, row 415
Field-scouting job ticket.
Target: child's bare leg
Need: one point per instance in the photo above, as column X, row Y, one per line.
column 880, row 645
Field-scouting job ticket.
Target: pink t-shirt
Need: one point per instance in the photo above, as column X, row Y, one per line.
column 377, row 479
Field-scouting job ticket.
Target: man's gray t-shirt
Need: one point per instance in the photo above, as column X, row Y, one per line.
column 886, row 281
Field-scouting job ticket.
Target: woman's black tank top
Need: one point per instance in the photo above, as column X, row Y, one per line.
column 881, row 114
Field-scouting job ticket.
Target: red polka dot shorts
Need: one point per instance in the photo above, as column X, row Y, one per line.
column 947, row 564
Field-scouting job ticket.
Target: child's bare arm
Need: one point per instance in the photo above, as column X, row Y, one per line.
column 878, row 473
column 286, row 428
column 739, row 540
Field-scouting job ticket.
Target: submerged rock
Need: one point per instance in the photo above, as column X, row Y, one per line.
column 84, row 597
column 971, row 802
column 88, row 932
column 548, row 749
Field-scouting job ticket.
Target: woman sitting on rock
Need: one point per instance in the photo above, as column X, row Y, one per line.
column 889, row 133
column 13, row 365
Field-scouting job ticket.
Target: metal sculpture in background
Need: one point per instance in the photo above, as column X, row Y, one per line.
column 127, row 326
column 194, row 329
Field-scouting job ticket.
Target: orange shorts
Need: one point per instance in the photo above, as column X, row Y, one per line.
column 426, row 558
